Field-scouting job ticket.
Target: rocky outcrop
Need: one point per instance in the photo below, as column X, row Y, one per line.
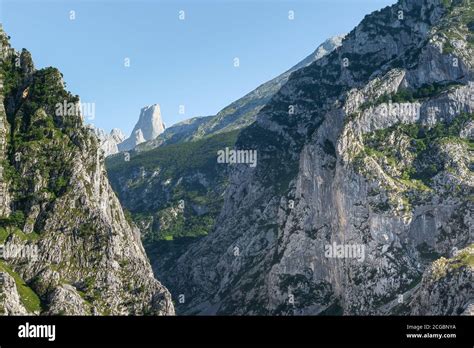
column 109, row 142
column 177, row 133
column 65, row 299
column 71, row 249
column 148, row 127
column 4, row 194
column 447, row 286
column 10, row 302
column 357, row 191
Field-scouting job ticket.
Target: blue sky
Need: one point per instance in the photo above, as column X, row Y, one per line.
column 173, row 62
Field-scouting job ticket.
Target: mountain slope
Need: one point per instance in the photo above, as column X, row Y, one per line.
column 152, row 184
column 173, row 193
column 377, row 158
column 446, row 287
column 240, row 113
column 68, row 248
column 154, row 181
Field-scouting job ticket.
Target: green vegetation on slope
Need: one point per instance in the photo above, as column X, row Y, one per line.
column 16, row 219
column 177, row 158
column 422, row 139
column 41, row 141
column 458, row 25
column 173, row 191
column 28, row 297
column 408, row 96
column 411, row 155
column 3, row 234
column 443, row 266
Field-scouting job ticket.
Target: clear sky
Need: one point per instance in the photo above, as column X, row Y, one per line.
column 173, row 62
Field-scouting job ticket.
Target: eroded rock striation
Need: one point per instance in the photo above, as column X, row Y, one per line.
column 377, row 157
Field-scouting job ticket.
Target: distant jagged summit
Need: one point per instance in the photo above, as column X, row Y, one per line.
column 74, row 251
column 148, row 127
column 328, row 46
column 243, row 111
column 109, row 142
column 376, row 155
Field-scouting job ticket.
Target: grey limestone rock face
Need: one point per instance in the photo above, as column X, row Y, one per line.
column 109, row 142
column 447, row 287
column 375, row 156
column 71, row 249
column 148, row 127
column 10, row 303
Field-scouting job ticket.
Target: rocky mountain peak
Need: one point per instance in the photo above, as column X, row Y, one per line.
column 148, row 127
column 328, row 46
column 150, row 122
column 108, row 143
column 243, row 111
column 117, row 134
column 80, row 255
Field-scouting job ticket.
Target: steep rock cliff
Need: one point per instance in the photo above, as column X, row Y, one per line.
column 376, row 155
column 148, row 127
column 67, row 246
